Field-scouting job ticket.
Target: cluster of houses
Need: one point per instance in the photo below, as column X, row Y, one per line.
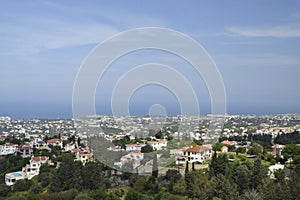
column 198, row 153
column 82, row 154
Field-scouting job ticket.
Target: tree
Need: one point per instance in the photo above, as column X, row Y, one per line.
column 259, row 172
column 172, row 176
column 224, row 189
column 218, row 146
column 154, row 166
column 279, row 175
column 186, row 167
column 4, row 190
column 290, row 151
column 241, row 177
column 22, row 185
column 159, row 135
column 198, row 185
column 240, row 150
column 218, row 165
column 256, row 149
column 180, row 187
column 133, row 195
column 147, row 149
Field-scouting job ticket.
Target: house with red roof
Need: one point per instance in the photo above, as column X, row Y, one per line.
column 83, row 155
column 197, row 153
column 55, row 142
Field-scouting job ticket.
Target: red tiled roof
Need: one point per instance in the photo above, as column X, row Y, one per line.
column 226, row 142
column 54, row 140
column 197, row 149
column 75, row 150
column 136, row 151
column 39, row 158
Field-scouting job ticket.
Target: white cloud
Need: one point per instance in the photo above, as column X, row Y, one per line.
column 285, row 31
column 80, row 27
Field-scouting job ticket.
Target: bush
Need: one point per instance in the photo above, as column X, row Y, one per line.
column 22, row 185
column 4, row 190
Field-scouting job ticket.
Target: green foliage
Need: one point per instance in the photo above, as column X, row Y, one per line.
column 155, row 166
column 173, row 144
column 258, row 173
column 288, row 138
column 218, row 165
column 256, row 149
column 172, row 176
column 198, row 185
column 4, row 190
column 179, row 187
column 241, row 176
column 218, row 146
column 224, row 188
column 290, row 151
column 134, row 195
column 147, row 149
column 22, row 185
column 240, row 150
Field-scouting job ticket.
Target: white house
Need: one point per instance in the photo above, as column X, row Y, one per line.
column 134, row 147
column 134, row 157
column 198, row 153
column 68, row 147
column 11, row 178
column 8, row 148
column 224, row 149
column 158, row 144
column 40, row 144
column 25, row 150
column 55, row 142
column 83, row 155
column 28, row 172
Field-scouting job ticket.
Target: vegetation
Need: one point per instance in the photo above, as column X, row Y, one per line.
column 223, row 180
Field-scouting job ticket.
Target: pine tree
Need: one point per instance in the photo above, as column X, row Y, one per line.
column 154, row 166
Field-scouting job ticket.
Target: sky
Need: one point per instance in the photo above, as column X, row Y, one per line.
column 254, row 44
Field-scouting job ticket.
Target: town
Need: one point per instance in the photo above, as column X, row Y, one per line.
column 144, row 145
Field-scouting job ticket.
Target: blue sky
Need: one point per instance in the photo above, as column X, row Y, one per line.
column 255, row 44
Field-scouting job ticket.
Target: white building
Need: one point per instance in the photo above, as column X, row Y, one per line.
column 134, row 157
column 83, row 155
column 8, row 148
column 134, row 147
column 55, row 142
column 68, row 147
column 273, row 169
column 158, row 144
column 28, row 172
column 13, row 177
column 25, row 150
column 197, row 153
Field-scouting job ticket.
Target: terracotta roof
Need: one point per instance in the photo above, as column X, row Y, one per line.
column 198, row 149
column 39, row 158
column 75, row 150
column 226, row 142
column 54, row 140
column 136, row 151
